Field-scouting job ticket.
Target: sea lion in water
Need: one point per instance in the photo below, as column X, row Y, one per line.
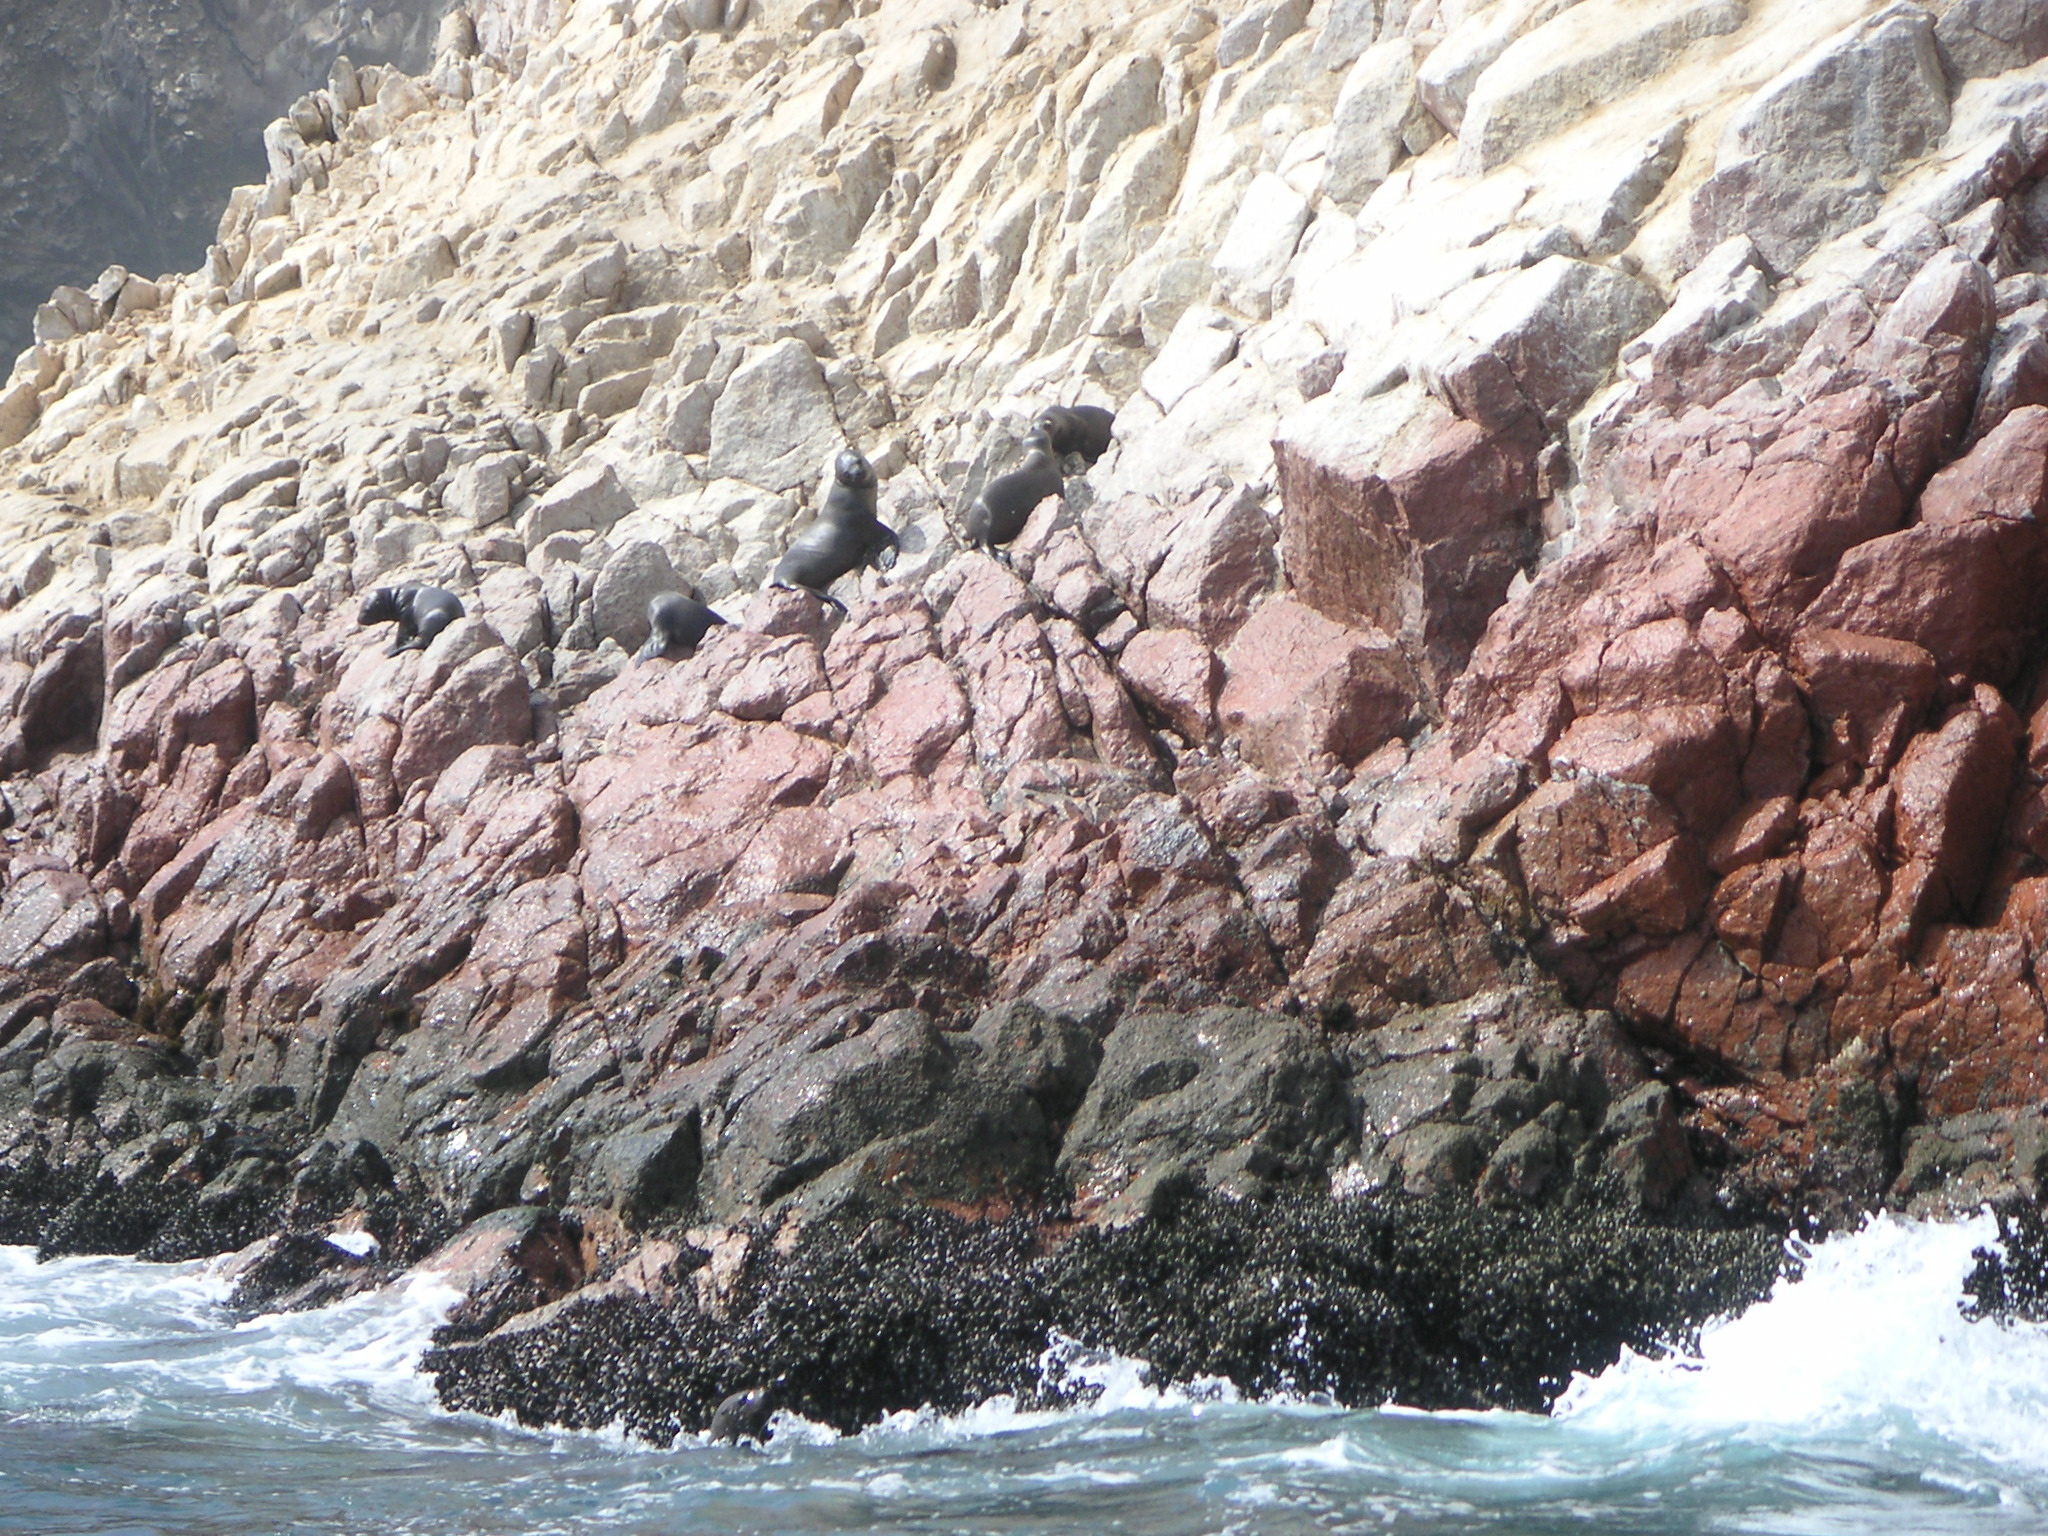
column 745, row 1415
column 675, row 622
column 421, row 612
column 844, row 536
column 1082, row 429
column 1005, row 503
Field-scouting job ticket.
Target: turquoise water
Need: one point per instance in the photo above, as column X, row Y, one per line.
column 1854, row 1400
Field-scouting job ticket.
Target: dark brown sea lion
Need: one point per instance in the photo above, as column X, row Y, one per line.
column 1005, row 503
column 845, row 536
column 421, row 612
column 675, row 622
column 1082, row 429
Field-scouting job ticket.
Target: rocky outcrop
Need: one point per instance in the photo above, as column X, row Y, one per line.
column 1535, row 711
column 123, row 127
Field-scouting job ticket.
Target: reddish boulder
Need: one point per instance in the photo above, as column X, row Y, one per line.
column 1414, row 524
column 1966, row 593
column 2005, row 475
column 1171, row 672
column 1867, row 694
column 1952, row 786
column 1571, row 834
column 1657, row 893
column 1219, row 559
column 916, row 722
column 1300, row 690
column 484, row 701
column 1685, row 754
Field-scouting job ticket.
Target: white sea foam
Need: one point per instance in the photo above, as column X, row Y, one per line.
column 1870, row 1335
column 158, row 1330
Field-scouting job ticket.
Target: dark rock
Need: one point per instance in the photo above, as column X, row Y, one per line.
column 1371, row 1300
column 1226, row 1098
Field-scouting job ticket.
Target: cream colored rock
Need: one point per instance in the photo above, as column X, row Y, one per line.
column 773, row 424
column 1202, row 341
column 1594, row 53
column 1259, row 245
column 1379, row 120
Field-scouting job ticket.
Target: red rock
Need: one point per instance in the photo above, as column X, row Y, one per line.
column 1749, row 906
column 1952, row 786
column 1966, row 593
column 1653, row 665
column 1721, row 1012
column 913, row 725
column 1571, row 834
column 1867, row 694
column 1841, row 892
column 1299, row 689
column 484, row 701
column 1219, row 559
column 2005, row 475
column 1820, row 489
column 1657, row 893
column 1757, row 831
column 776, row 678
column 1684, row 754
column 1395, row 937
column 1172, row 673
column 1418, row 536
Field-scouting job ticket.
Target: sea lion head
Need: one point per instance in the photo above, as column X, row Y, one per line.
column 1038, row 440
column 379, row 607
column 853, row 471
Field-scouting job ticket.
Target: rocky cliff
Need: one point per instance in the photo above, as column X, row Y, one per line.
column 123, row 126
column 1538, row 706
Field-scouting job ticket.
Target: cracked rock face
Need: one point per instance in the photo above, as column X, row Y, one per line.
column 1539, row 702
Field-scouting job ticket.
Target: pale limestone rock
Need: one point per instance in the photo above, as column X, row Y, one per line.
column 1378, row 115
column 1593, row 53
column 1990, row 37
column 1800, row 162
column 1447, row 76
column 1122, row 100
column 1202, row 342
column 417, row 267
column 1540, row 340
column 773, row 424
column 1349, row 28
column 512, row 604
column 1259, row 245
column 20, row 405
column 588, row 498
column 633, row 572
column 480, row 492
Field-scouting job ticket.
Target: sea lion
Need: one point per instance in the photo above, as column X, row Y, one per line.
column 675, row 622
column 421, row 612
column 1082, row 429
column 844, row 536
column 745, row 1415
column 1005, row 503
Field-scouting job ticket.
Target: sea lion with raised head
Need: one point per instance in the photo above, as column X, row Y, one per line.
column 1082, row 429
column 421, row 612
column 844, row 536
column 675, row 622
column 1005, row 504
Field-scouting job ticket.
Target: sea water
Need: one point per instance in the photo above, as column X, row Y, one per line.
column 1855, row 1399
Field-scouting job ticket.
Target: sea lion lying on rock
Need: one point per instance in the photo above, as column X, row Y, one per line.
column 1006, row 502
column 675, row 622
column 844, row 536
column 1082, row 429
column 421, row 612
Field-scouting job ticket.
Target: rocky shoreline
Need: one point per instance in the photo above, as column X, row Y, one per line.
column 1525, row 762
